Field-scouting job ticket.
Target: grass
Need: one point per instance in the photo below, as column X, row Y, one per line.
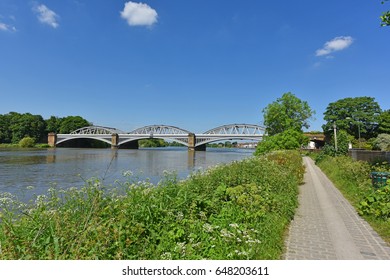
column 235, row 211
column 353, row 179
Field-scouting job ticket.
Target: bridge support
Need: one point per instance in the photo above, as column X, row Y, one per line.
column 52, row 139
column 192, row 143
column 114, row 141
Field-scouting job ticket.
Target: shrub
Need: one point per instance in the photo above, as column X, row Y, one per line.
column 27, row 142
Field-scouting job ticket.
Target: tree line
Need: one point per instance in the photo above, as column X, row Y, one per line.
column 358, row 120
column 16, row 126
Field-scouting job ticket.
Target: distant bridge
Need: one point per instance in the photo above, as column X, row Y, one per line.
column 117, row 138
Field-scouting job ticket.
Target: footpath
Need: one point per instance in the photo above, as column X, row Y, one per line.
column 327, row 227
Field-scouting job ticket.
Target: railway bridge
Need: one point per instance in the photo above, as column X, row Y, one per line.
column 117, row 138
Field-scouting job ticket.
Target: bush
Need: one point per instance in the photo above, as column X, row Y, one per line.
column 382, row 142
column 27, row 142
column 376, row 204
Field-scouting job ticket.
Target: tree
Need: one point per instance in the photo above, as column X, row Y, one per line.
column 384, row 122
column 53, row 124
column 72, row 123
column 27, row 125
column 357, row 116
column 385, row 18
column 287, row 112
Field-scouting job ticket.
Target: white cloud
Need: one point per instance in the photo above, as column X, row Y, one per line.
column 139, row 14
column 6, row 27
column 46, row 16
column 334, row 45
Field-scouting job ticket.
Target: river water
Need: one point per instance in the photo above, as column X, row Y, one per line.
column 25, row 171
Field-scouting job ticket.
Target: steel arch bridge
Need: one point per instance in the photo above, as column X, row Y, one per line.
column 117, row 138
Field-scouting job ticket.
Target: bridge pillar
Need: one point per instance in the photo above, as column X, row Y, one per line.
column 52, row 139
column 114, row 141
column 192, row 143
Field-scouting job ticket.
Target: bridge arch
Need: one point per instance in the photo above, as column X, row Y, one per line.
column 160, row 129
column 237, row 129
column 97, row 130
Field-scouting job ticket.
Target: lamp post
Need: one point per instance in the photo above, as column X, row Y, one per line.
column 335, row 136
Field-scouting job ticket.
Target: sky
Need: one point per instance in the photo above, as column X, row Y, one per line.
column 196, row 65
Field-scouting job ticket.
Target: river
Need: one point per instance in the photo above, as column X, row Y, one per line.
column 26, row 172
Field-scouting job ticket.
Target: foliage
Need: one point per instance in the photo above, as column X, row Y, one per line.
column 72, row 123
column 236, row 211
column 152, row 143
column 27, row 142
column 343, row 140
column 382, row 142
column 376, row 204
column 287, row 112
column 15, row 126
column 384, row 122
column 354, row 115
column 287, row 140
column 385, row 18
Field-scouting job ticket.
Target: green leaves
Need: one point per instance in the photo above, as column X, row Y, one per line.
column 287, row 112
column 358, row 115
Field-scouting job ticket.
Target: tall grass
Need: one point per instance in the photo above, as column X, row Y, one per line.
column 235, row 211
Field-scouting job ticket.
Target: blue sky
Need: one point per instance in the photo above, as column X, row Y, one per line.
column 192, row 64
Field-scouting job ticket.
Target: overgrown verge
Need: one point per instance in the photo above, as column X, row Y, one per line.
column 353, row 179
column 236, row 211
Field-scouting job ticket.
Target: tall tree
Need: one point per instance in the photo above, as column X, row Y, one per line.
column 287, row 112
column 357, row 116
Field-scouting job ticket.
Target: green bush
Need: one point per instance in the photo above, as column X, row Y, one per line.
column 27, row 142
column 376, row 204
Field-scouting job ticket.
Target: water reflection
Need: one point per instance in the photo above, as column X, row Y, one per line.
column 70, row 167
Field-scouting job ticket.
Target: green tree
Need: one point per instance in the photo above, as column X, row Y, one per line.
column 53, row 124
column 27, row 125
column 384, row 122
column 72, row 123
column 287, row 112
column 358, row 115
column 5, row 129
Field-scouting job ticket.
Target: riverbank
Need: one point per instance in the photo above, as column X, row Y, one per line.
column 235, row 211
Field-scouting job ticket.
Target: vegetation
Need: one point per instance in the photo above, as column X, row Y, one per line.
column 353, row 179
column 287, row 140
column 384, row 122
column 287, row 112
column 15, row 126
column 385, row 18
column 358, row 116
column 27, row 142
column 285, row 119
column 382, row 142
column 236, row 211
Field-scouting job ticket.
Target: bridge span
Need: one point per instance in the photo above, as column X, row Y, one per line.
column 193, row 141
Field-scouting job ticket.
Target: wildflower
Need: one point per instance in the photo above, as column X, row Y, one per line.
column 127, row 173
column 166, row 256
column 207, row 227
